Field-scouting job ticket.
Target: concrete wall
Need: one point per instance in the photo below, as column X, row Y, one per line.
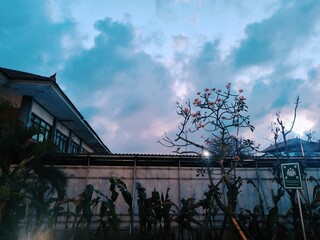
column 183, row 183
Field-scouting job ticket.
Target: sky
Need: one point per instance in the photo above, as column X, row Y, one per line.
column 125, row 63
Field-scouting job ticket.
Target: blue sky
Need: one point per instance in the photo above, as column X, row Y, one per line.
column 125, row 63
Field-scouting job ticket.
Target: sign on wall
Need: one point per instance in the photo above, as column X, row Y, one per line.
column 291, row 175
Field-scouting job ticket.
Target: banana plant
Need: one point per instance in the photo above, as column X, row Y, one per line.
column 155, row 212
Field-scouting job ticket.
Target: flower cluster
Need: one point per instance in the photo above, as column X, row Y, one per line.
column 242, row 98
column 197, row 101
column 236, row 158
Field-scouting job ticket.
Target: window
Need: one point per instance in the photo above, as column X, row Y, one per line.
column 61, row 141
column 75, row 147
column 81, row 150
column 43, row 126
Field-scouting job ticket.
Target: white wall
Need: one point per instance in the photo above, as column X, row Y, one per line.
column 75, row 138
column 62, row 128
column 42, row 113
column 85, row 146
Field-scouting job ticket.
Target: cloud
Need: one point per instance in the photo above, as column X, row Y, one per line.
column 126, row 81
column 128, row 89
column 30, row 40
column 110, row 56
column 164, row 9
column 180, row 42
column 206, row 68
column 274, row 38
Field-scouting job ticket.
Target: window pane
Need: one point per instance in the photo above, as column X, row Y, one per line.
column 40, row 138
column 61, row 141
column 43, row 127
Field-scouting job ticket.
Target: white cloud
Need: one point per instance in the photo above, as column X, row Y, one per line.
column 182, row 90
column 106, row 126
column 180, row 42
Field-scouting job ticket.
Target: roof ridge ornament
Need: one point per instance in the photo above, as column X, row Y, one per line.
column 53, row 77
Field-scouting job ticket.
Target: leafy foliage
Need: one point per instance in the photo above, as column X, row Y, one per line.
column 25, row 183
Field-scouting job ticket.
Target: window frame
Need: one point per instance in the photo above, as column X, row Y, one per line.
column 44, row 128
column 61, row 141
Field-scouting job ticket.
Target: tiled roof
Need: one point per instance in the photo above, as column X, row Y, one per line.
column 19, row 75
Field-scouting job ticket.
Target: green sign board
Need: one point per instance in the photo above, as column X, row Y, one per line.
column 291, row 175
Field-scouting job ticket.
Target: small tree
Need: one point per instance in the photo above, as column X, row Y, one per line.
column 279, row 129
column 217, row 116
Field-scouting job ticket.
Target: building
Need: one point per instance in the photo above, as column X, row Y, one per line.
column 39, row 101
column 296, row 147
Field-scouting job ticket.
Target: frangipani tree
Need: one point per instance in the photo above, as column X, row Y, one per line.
column 217, row 116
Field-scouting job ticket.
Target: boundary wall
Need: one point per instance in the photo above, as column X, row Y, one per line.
column 180, row 175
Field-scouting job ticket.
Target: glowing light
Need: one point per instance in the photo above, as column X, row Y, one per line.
column 206, row 153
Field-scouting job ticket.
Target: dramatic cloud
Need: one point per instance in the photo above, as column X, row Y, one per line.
column 124, row 66
column 128, row 90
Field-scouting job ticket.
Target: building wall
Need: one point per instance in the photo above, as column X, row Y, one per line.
column 75, row 138
column 37, row 109
column 42, row 113
column 87, row 147
column 62, row 128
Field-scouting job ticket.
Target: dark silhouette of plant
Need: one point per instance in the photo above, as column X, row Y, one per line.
column 263, row 226
column 187, row 215
column 155, row 212
column 27, row 187
column 116, row 183
column 144, row 214
column 83, row 207
column 91, row 198
column 312, row 211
